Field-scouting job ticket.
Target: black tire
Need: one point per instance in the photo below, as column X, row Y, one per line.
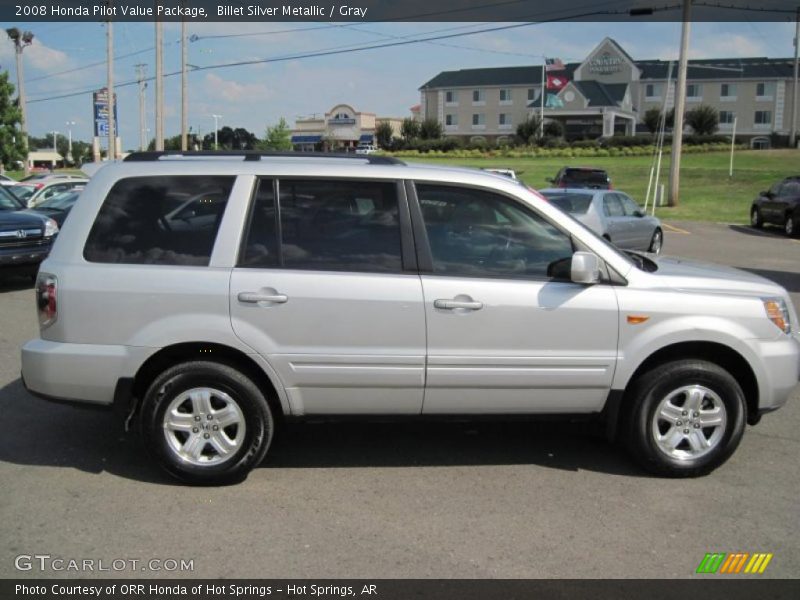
column 657, row 242
column 756, row 220
column 790, row 226
column 653, row 387
column 254, row 409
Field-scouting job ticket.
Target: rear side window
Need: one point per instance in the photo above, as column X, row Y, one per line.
column 576, row 204
column 612, row 206
column 339, row 225
column 170, row 220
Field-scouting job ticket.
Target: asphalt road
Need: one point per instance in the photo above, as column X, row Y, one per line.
column 388, row 500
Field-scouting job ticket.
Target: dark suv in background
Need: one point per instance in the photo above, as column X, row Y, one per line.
column 780, row 205
column 25, row 237
column 582, row 177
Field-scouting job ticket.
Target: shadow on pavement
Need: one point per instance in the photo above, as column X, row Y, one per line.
column 791, row 281
column 14, row 283
column 41, row 433
column 767, row 231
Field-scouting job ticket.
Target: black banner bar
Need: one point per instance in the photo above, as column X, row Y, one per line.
column 708, row 588
column 198, row 11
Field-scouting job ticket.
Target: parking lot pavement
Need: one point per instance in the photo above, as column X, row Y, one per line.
column 400, row 500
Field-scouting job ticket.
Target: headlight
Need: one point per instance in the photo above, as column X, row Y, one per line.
column 50, row 228
column 778, row 313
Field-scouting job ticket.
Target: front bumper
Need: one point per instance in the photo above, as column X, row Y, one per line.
column 19, row 256
column 780, row 366
column 80, row 373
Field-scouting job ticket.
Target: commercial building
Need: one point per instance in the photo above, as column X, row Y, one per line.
column 341, row 128
column 609, row 92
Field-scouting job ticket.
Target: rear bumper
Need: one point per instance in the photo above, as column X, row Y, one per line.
column 88, row 374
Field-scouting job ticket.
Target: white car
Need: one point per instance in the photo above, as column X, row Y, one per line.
column 42, row 190
column 366, row 149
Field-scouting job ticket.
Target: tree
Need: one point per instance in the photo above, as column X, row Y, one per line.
column 384, row 134
column 409, row 129
column 431, row 129
column 703, row 120
column 652, row 120
column 528, row 130
column 12, row 146
column 553, row 129
column 231, row 139
column 278, row 137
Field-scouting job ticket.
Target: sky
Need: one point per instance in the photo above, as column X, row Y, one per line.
column 383, row 81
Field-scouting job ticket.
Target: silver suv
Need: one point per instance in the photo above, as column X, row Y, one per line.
column 209, row 297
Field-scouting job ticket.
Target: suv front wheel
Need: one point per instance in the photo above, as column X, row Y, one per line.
column 687, row 418
column 206, row 423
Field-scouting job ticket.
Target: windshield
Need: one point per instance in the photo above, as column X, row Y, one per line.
column 586, row 176
column 8, row 201
column 61, row 201
column 23, row 192
column 577, row 204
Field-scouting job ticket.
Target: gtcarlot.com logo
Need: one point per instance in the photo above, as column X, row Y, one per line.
column 46, row 562
column 735, row 563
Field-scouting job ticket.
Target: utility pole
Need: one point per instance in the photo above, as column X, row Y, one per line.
column 680, row 101
column 216, row 130
column 70, row 124
column 159, row 87
column 21, row 39
column 795, row 91
column 55, row 137
column 142, row 112
column 184, row 88
column 112, row 125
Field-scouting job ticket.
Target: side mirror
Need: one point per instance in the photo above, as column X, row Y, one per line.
column 638, row 213
column 585, row 268
column 549, row 180
column 764, row 193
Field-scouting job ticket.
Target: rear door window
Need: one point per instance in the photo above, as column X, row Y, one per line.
column 576, row 204
column 326, row 225
column 164, row 220
column 587, row 177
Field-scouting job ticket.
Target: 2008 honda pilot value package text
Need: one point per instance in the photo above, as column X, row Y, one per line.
column 211, row 297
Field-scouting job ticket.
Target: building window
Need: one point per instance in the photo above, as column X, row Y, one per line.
column 694, row 91
column 478, row 121
column 451, row 97
column 451, row 120
column 726, row 117
column 531, row 94
column 505, row 96
column 727, row 92
column 504, row 121
column 765, row 91
column 478, row 96
column 763, row 118
column 652, row 91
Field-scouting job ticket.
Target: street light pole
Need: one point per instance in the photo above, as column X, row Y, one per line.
column 55, row 135
column 21, row 39
column 69, row 139
column 795, row 91
column 142, row 112
column 184, row 89
column 680, row 102
column 159, row 87
column 112, row 125
column 216, row 130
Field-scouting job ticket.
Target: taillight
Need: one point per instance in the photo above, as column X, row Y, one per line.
column 47, row 299
column 38, row 186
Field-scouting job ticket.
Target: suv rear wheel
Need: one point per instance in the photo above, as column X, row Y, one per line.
column 790, row 225
column 206, row 423
column 687, row 418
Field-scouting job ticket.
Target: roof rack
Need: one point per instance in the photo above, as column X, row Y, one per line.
column 254, row 155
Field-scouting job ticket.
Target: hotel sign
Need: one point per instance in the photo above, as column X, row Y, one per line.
column 605, row 64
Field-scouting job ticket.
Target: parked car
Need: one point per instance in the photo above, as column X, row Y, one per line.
column 612, row 215
column 51, row 187
column 25, row 239
column 6, row 180
column 366, row 149
column 780, row 205
column 361, row 285
column 581, row 177
column 47, row 176
column 57, row 207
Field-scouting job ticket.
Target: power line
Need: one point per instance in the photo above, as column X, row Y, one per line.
column 343, row 51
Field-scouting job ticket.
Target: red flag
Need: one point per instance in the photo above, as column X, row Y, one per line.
column 556, row 82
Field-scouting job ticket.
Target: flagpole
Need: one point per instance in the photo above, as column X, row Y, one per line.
column 541, row 109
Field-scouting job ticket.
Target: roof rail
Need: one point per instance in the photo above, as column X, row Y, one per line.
column 253, row 155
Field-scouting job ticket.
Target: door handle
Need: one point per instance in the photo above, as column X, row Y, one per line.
column 255, row 297
column 454, row 304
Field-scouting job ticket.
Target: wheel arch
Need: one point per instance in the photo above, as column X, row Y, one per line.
column 182, row 352
column 719, row 354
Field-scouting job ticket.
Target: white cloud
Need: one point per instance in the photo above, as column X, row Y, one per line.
column 234, row 91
